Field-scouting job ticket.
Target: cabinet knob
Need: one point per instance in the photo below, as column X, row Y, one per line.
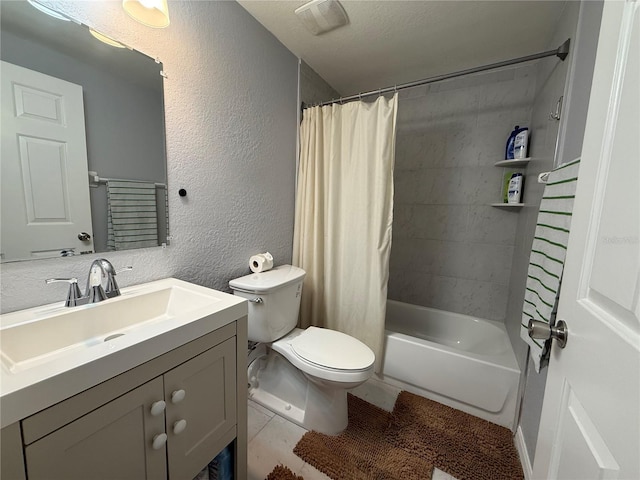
column 179, row 426
column 158, row 407
column 159, row 441
column 177, row 396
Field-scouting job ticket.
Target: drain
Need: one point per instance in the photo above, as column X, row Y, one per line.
column 115, row 335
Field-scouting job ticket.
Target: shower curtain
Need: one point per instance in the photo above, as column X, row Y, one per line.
column 343, row 217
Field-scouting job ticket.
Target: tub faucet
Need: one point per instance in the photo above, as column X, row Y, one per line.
column 94, row 292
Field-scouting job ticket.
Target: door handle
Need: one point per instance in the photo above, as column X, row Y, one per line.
column 84, row 236
column 544, row 331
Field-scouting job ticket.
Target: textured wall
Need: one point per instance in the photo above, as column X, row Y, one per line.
column 231, row 135
column 451, row 250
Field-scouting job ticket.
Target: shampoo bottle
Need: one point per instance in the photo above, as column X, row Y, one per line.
column 514, row 193
column 510, row 150
column 508, row 155
column 520, row 143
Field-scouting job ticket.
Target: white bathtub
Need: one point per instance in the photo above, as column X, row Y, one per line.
column 458, row 360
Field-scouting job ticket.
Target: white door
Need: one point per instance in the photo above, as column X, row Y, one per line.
column 590, row 424
column 44, row 175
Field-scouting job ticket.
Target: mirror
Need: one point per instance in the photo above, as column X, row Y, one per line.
column 81, row 122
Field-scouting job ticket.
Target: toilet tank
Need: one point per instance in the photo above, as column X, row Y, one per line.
column 274, row 301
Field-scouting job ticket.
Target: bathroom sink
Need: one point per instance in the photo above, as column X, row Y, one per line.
column 51, row 333
column 51, row 352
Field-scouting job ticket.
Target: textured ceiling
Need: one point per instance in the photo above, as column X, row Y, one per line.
column 396, row 41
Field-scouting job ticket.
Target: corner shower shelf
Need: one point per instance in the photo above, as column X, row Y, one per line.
column 508, row 205
column 519, row 162
column 513, row 163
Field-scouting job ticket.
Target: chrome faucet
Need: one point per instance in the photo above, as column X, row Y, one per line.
column 94, row 292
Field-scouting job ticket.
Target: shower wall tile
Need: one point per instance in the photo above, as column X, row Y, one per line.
column 452, row 104
column 480, row 185
column 436, row 222
column 479, row 261
column 415, row 149
column 439, row 222
column 443, row 187
column 450, row 249
column 470, row 297
column 409, row 286
column 413, row 92
column 462, row 142
column 484, row 219
column 515, row 94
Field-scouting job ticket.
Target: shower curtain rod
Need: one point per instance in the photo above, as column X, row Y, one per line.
column 561, row 52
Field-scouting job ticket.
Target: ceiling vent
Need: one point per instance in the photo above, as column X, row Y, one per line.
column 320, row 16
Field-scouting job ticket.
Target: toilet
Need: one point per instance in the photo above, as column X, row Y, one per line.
column 302, row 375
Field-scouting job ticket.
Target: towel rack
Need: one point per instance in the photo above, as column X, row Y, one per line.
column 95, row 181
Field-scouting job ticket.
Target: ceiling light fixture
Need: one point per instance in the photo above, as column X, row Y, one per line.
column 48, row 11
column 152, row 13
column 320, row 16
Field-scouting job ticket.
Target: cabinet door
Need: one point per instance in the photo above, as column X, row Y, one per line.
column 11, row 459
column 113, row 441
column 201, row 409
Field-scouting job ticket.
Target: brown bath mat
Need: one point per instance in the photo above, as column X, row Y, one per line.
column 360, row 452
column 462, row 445
column 409, row 442
column 280, row 472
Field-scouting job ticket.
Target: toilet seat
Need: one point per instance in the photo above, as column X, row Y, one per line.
column 332, row 349
column 327, row 354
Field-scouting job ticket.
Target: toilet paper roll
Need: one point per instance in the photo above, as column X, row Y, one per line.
column 261, row 262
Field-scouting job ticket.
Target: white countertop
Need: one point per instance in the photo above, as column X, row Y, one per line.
column 26, row 391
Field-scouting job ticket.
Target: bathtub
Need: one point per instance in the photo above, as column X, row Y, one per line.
column 458, row 360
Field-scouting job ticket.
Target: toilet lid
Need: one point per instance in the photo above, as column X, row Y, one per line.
column 332, row 349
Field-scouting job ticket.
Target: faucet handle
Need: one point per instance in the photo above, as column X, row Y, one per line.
column 73, row 295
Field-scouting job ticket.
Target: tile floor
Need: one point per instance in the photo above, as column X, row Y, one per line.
column 272, row 438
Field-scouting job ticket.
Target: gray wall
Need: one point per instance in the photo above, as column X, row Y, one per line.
column 451, row 250
column 123, row 120
column 580, row 22
column 313, row 88
column 231, row 133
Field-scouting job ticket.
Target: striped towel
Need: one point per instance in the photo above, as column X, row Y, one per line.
column 132, row 218
column 547, row 256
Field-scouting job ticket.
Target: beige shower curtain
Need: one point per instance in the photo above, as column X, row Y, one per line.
column 344, row 213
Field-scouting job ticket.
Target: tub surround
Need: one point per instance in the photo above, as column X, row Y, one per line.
column 451, row 250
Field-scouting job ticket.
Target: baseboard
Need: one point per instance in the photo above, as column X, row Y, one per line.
column 524, row 455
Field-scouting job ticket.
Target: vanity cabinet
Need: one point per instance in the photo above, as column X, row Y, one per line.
column 113, row 441
column 167, row 418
